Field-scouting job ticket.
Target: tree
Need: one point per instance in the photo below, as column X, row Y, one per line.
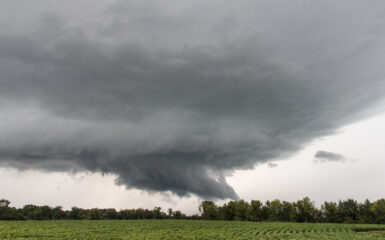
column 95, row 214
column 275, row 210
column 241, row 209
column 58, row 213
column 305, row 210
column 4, row 203
column 265, row 211
column 8, row 213
column 227, row 211
column 169, row 215
column 255, row 211
column 208, row 210
column 286, row 212
column 364, row 213
column 330, row 212
column 178, row 215
column 111, row 213
column 46, row 212
column 157, row 212
column 378, row 210
column 348, row 211
column 75, row 213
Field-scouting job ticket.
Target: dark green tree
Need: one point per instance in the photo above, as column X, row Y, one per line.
column 348, row 211
column 208, row 210
column 275, row 210
column 305, row 210
column 330, row 212
column 378, row 210
column 255, row 211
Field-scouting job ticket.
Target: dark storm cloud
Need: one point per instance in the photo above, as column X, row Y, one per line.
column 324, row 156
column 174, row 96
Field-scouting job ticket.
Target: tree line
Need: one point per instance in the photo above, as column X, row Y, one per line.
column 346, row 211
column 304, row 210
column 33, row 212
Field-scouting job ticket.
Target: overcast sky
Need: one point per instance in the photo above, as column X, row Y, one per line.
column 131, row 103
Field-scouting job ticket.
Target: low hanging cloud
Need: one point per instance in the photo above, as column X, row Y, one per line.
column 175, row 95
column 324, row 156
column 272, row 165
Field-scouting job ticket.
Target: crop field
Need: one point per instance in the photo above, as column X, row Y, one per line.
column 183, row 229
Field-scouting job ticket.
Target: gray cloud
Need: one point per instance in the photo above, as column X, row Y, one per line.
column 324, row 156
column 174, row 96
column 272, row 165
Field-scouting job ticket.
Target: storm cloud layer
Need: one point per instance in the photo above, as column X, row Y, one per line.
column 175, row 95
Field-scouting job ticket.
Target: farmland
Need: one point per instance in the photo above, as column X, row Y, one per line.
column 184, row 229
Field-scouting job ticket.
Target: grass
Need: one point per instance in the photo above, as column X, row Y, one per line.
column 182, row 229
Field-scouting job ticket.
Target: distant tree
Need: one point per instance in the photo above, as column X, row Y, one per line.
column 179, row 215
column 195, row 217
column 76, row 213
column 209, row 210
column 228, row 211
column 275, row 210
column 241, row 209
column 286, row 211
column 265, row 211
column 305, row 210
column 169, row 213
column 8, row 213
column 46, row 212
column 33, row 212
column 345, row 211
column 111, row 213
column 365, row 215
column 58, row 213
column 330, row 212
column 4, row 203
column 255, row 211
column 348, row 211
column 126, row 214
column 95, row 214
column 378, row 210
column 158, row 213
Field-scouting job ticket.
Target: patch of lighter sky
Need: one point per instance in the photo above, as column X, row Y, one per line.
column 85, row 190
column 361, row 176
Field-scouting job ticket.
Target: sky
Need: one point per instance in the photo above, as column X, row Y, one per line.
column 140, row 104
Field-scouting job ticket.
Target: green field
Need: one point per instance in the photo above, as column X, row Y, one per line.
column 183, row 229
